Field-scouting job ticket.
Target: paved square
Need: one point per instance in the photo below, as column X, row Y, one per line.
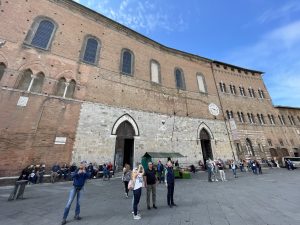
column 269, row 199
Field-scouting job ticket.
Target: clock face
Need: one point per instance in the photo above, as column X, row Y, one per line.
column 213, row 109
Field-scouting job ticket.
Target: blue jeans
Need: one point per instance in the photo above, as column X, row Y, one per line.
column 234, row 172
column 136, row 199
column 72, row 195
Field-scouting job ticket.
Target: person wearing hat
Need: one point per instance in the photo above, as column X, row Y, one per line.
column 170, row 183
column 79, row 179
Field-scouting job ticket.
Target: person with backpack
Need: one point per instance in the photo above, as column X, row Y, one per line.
column 160, row 171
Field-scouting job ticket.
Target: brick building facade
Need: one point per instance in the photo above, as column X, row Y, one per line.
column 76, row 85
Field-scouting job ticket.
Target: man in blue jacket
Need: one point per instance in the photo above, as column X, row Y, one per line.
column 170, row 183
column 79, row 178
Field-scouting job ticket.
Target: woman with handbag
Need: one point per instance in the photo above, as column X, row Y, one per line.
column 126, row 178
column 136, row 183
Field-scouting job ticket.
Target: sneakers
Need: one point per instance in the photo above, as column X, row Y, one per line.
column 126, row 195
column 63, row 222
column 137, row 217
column 77, row 217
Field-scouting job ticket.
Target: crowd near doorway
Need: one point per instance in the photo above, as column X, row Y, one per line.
column 124, row 150
column 205, row 145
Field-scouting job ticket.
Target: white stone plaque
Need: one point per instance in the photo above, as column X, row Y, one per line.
column 60, row 140
column 22, row 101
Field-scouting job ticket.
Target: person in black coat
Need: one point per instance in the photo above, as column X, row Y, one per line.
column 170, row 183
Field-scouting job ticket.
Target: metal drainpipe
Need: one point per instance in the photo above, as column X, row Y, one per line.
column 212, row 69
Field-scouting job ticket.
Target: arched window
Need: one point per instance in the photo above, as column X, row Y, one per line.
column 64, row 89
column 179, row 78
column 232, row 89
column 41, row 33
column 229, row 114
column 201, row 83
column 155, row 71
column 241, row 117
column 249, row 147
column 30, row 82
column 91, row 48
column 222, row 86
column 2, row 70
column 127, row 62
column 242, row 91
column 60, row 87
column 70, row 89
column 37, row 83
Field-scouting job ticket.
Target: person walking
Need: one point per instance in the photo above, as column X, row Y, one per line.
column 126, row 178
column 150, row 184
column 136, row 183
column 170, row 183
column 79, row 178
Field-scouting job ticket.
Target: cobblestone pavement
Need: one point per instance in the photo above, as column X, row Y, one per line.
column 269, row 199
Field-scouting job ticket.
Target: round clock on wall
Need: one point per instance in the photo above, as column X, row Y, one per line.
column 213, row 109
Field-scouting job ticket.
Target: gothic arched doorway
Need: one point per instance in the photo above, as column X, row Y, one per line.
column 124, row 150
column 205, row 145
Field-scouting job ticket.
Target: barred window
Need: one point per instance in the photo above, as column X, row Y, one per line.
column 41, row 33
column 91, row 50
column 179, row 78
column 127, row 62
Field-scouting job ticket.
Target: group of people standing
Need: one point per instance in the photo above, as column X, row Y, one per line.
column 217, row 166
column 139, row 178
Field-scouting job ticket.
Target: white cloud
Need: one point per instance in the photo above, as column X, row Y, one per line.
column 279, row 13
column 277, row 53
column 145, row 16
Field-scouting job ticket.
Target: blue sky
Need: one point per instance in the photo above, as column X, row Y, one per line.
column 257, row 34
